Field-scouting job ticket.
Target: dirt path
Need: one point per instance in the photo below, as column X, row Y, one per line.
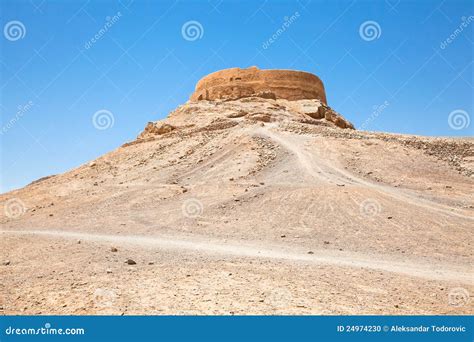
column 293, row 146
column 319, row 165
column 232, row 249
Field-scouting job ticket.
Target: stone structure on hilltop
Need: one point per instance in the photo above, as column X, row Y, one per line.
column 228, row 97
column 236, row 83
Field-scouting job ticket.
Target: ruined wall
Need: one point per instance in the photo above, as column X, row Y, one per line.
column 235, row 83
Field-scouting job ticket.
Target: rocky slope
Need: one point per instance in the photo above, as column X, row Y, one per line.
column 247, row 206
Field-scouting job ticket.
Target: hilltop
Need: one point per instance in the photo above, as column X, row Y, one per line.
column 248, row 204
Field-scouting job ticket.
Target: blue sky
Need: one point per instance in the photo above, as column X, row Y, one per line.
column 395, row 66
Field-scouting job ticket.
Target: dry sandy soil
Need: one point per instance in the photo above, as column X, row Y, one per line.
column 247, row 207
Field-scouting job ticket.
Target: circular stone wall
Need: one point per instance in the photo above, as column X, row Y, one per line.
column 235, row 83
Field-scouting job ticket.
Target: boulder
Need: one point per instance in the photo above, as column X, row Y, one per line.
column 156, row 128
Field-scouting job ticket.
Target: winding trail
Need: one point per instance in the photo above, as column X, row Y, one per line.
column 430, row 271
column 326, row 170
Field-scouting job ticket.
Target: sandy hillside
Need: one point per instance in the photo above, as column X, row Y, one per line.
column 249, row 206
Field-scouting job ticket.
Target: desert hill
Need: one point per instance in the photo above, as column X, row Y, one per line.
column 254, row 197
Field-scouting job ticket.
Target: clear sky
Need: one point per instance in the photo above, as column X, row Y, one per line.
column 395, row 66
